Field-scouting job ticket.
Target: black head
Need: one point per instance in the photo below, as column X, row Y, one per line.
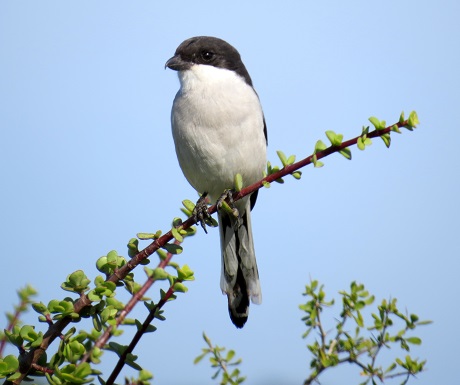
column 210, row 51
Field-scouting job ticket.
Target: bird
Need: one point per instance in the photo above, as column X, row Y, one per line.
column 219, row 131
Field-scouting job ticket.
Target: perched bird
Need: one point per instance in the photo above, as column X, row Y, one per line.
column 219, row 131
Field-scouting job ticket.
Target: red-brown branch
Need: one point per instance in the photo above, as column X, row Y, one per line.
column 31, row 357
column 122, row 360
column 136, row 298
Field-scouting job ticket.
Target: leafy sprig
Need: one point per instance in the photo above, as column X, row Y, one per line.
column 353, row 341
column 222, row 360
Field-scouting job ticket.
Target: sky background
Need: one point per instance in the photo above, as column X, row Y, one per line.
column 87, row 161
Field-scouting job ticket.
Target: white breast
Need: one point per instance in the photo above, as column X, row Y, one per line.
column 217, row 124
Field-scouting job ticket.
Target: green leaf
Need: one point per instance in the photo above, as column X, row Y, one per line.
column 130, row 361
column 360, row 319
column 390, row 368
column 172, row 248
column 40, row 307
column 109, row 313
column 230, row 355
column 188, row 232
column 185, row 274
column 229, row 210
column 414, row 340
column 160, row 274
column 133, row 247
column 146, row 236
column 331, row 136
column 162, row 254
column 297, row 174
column 112, row 257
column 29, row 334
column 175, row 233
column 145, row 375
column 180, row 287
column 401, row 118
column 282, row 157
column 291, row 160
column 376, row 123
column 369, row 300
column 64, row 307
column 206, row 339
column 413, row 120
column 426, row 322
column 189, row 205
column 395, row 128
column 346, row 153
column 8, row 365
column 200, row 357
column 117, row 348
column 76, row 282
column 115, row 303
column 271, row 169
column 316, row 162
column 14, row 337
column 103, row 288
column 150, row 329
column 238, row 182
column 386, row 139
column 320, row 146
column 335, row 139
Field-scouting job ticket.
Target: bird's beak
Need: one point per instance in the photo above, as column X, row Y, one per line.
column 176, row 63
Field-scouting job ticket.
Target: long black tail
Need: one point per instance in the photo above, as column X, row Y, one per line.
column 240, row 277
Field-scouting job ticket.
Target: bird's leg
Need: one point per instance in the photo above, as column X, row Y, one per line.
column 225, row 202
column 200, row 212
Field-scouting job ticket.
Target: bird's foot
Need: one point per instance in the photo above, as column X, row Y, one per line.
column 225, row 203
column 200, row 212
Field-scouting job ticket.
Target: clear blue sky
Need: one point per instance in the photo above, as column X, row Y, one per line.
column 87, row 161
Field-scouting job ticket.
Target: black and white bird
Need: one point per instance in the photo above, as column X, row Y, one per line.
column 219, row 131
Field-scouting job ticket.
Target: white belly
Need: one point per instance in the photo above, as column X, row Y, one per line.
column 218, row 130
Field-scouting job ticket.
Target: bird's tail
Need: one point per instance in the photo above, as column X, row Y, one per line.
column 239, row 277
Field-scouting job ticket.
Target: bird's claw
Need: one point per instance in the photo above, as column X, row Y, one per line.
column 200, row 212
column 225, row 202
column 226, row 195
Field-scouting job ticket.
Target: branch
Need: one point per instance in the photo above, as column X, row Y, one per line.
column 31, row 357
column 102, row 340
column 222, row 362
column 348, row 349
column 25, row 295
column 140, row 332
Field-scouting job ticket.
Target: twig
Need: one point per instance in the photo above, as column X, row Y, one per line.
column 13, row 322
column 121, row 361
column 25, row 295
column 102, row 340
column 42, row 369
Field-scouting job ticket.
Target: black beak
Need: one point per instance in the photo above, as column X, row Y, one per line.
column 176, row 63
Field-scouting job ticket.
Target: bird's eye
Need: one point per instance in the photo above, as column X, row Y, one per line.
column 207, row 56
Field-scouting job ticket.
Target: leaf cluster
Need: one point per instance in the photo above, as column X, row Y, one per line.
column 78, row 352
column 222, row 360
column 353, row 341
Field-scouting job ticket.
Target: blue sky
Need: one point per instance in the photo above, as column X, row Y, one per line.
column 87, row 161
